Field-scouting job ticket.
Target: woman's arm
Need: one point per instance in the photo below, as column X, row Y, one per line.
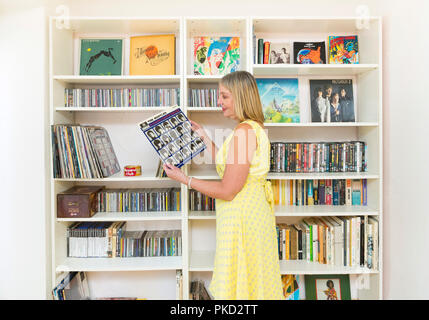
column 240, row 154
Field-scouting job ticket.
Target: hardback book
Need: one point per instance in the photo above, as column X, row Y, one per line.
column 260, row 51
column 280, row 53
column 309, row 52
column 343, row 49
column 153, row 55
column 216, row 55
column 169, row 133
column 101, row 57
column 280, row 99
column 332, row 100
column 267, row 52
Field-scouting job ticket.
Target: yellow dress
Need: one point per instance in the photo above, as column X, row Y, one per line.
column 246, row 261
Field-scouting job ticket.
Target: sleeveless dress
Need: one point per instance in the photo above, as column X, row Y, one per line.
column 246, row 263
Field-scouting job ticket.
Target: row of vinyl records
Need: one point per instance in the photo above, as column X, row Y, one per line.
column 304, row 157
column 198, row 291
column 303, row 192
column 340, row 241
column 122, row 97
column 112, row 240
column 203, row 97
column 138, row 200
column 82, row 152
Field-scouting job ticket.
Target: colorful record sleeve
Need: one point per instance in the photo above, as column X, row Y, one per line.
column 170, row 134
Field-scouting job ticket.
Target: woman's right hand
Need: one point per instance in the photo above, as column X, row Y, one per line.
column 198, row 129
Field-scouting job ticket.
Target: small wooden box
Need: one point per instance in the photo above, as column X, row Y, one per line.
column 78, row 202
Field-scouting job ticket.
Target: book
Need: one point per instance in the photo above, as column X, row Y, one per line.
column 169, row 133
column 309, row 52
column 260, row 51
column 280, row 53
column 280, row 99
column 343, row 49
column 101, row 57
column 216, row 55
column 267, row 52
column 153, row 55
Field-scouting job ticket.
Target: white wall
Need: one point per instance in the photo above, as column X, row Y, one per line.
column 405, row 127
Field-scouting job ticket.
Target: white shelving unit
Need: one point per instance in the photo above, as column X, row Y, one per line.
column 154, row 278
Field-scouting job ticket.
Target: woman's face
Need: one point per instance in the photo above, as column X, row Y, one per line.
column 225, row 100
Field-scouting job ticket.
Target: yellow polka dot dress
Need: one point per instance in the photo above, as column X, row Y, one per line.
column 246, row 263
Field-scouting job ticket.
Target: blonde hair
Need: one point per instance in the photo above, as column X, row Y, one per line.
column 247, row 102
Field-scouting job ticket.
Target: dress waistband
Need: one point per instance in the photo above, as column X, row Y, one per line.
column 269, row 194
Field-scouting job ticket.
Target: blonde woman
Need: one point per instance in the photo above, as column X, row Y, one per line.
column 246, row 261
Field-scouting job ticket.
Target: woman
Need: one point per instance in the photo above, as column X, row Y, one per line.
column 246, row 262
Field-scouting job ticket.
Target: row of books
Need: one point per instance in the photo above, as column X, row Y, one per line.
column 203, row 97
column 122, row 97
column 340, row 241
column 82, row 152
column 112, row 240
column 341, row 50
column 334, row 192
column 305, row 157
column 72, row 286
column 139, row 200
column 201, row 202
column 198, row 291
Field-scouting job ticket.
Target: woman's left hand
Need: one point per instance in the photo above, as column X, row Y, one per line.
column 175, row 173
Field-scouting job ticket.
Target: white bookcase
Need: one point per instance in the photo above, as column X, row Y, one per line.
column 155, row 278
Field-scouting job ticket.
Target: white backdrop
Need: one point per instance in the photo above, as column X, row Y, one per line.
column 24, row 265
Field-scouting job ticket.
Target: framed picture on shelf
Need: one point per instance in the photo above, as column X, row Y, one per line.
column 332, row 100
column 101, row 57
column 153, row 55
column 216, row 55
column 280, row 99
column 327, row 287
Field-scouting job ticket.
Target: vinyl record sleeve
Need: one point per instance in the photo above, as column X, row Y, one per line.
column 170, row 134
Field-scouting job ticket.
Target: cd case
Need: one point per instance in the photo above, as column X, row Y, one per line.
column 170, row 134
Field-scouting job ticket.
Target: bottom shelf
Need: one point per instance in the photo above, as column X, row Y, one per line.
column 120, row 264
column 204, row 261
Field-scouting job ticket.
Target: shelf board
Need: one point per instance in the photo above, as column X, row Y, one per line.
column 323, row 124
column 208, row 78
column 302, row 211
column 73, row 79
column 112, row 109
column 208, row 174
column 204, row 109
column 313, row 69
column 120, row 264
column 323, row 211
column 129, row 216
column 202, row 215
column 204, row 261
column 118, row 177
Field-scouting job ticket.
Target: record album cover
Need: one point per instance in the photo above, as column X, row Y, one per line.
column 309, row 52
column 170, row 134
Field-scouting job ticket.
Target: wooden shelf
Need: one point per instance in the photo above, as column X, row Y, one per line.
column 311, row 69
column 129, row 216
column 72, row 79
column 120, row 264
column 204, row 261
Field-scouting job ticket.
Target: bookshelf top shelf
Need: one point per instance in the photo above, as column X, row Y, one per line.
column 314, row 69
column 124, row 79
